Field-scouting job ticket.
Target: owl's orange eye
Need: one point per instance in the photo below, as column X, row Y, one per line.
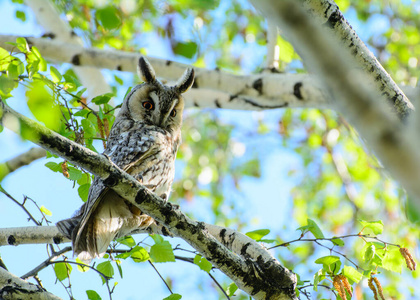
column 148, row 105
column 173, row 113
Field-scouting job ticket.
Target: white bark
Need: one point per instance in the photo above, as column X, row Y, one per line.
column 272, row 61
column 31, row 235
column 12, row 288
column 325, row 14
column 20, row 161
column 49, row 18
column 213, row 88
column 259, row 279
column 357, row 97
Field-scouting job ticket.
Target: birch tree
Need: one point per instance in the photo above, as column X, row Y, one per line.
column 288, row 76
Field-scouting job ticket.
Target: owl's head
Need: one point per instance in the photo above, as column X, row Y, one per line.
column 154, row 103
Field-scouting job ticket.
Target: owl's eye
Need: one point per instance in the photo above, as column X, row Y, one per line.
column 148, row 105
column 173, row 113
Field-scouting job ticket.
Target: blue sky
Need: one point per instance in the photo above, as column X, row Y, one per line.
column 56, row 193
column 266, row 201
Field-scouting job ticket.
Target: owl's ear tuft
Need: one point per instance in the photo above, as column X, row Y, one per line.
column 145, row 70
column 186, row 81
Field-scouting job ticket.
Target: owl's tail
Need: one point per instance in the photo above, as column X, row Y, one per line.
column 113, row 218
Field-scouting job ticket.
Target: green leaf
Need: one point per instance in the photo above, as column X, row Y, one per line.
column 83, row 191
column 187, row 50
column 55, row 74
column 369, row 253
column 162, row 252
column 338, row 242
column 257, row 234
column 203, row 263
column 62, row 270
column 327, row 260
column 93, row 295
column 157, row 238
column 20, row 15
column 102, row 99
column 376, row 227
column 5, row 59
column 120, row 271
column 393, row 260
column 127, row 240
column 42, row 106
column 45, row 211
column 106, row 269
column 55, row 167
column 232, row 288
column 173, row 297
column 75, row 174
column 82, row 267
column 139, row 254
column 108, row 17
column 318, row 277
column 22, row 44
column 352, row 274
column 313, row 228
column 6, row 86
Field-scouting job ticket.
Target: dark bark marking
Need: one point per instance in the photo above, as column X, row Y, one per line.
column 73, row 34
column 222, row 233
column 57, row 240
column 249, row 101
column 232, row 97
column 244, row 248
column 119, row 68
column 334, row 18
column 389, row 137
column 217, row 103
column 258, row 85
column 296, row 90
column 76, row 60
column 168, row 63
column 111, row 180
column 196, row 104
column 141, row 196
column 48, row 35
column 11, row 240
column 217, row 69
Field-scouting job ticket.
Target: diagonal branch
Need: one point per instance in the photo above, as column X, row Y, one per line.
column 13, row 287
column 258, row 278
column 21, row 160
column 358, row 96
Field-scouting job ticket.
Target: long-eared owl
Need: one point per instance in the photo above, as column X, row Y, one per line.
column 143, row 142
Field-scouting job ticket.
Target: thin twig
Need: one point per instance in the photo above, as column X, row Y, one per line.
column 46, row 263
column 21, row 205
column 164, row 281
column 220, row 287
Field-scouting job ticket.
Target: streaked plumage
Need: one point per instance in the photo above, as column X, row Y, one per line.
column 143, row 141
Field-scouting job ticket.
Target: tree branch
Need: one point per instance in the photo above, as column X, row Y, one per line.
column 12, row 287
column 258, row 279
column 212, row 88
column 48, row 17
column 21, row 160
column 357, row 97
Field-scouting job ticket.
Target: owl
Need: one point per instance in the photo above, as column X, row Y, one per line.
column 143, row 141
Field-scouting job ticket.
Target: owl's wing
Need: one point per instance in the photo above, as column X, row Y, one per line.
column 128, row 150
